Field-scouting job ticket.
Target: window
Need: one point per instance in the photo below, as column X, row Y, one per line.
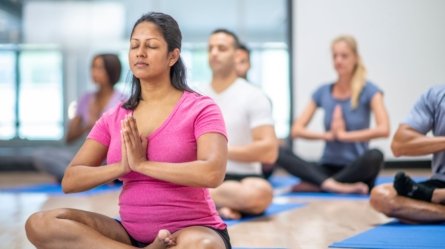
column 270, row 71
column 7, row 94
column 31, row 94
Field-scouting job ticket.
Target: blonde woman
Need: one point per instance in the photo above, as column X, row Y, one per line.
column 347, row 164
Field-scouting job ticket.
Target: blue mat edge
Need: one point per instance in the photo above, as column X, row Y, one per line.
column 282, row 207
column 350, row 243
column 56, row 189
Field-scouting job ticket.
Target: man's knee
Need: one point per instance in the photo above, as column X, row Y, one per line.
column 383, row 200
column 258, row 197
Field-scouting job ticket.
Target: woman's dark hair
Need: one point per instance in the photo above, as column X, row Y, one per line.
column 112, row 66
column 169, row 29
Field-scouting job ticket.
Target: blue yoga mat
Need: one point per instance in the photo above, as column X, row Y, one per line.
column 287, row 180
column 324, row 195
column 273, row 209
column 56, row 189
column 395, row 235
column 283, row 181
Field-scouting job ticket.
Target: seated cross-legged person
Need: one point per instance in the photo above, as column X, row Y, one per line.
column 347, row 165
column 167, row 143
column 405, row 199
column 248, row 116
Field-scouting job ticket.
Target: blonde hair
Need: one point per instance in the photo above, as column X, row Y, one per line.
column 359, row 75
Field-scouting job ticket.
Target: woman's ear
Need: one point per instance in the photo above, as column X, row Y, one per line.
column 174, row 56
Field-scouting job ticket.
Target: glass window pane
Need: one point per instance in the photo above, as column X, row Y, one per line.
column 200, row 72
column 41, row 95
column 124, row 83
column 7, row 94
column 275, row 82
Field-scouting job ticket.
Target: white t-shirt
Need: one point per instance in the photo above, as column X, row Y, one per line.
column 244, row 107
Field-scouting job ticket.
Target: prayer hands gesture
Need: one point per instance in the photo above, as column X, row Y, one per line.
column 338, row 126
column 134, row 146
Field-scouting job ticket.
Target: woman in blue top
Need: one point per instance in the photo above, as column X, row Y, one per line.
column 347, row 165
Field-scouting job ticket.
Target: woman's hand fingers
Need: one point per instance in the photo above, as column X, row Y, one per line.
column 133, row 126
column 124, row 159
column 136, row 146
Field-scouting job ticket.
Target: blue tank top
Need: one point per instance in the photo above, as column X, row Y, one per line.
column 337, row 152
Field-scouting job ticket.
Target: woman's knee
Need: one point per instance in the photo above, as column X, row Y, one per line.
column 199, row 238
column 37, row 227
column 375, row 156
column 207, row 243
column 40, row 226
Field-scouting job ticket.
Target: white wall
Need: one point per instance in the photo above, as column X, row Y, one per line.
column 402, row 43
column 73, row 23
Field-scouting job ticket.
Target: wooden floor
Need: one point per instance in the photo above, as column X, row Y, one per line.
column 317, row 224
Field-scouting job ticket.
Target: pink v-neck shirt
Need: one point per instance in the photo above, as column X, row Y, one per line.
column 148, row 204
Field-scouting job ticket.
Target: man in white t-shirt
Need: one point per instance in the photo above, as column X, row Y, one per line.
column 248, row 116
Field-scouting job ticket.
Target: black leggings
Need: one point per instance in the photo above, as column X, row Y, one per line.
column 364, row 169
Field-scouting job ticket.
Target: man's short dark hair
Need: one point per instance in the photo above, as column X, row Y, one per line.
column 243, row 47
column 228, row 32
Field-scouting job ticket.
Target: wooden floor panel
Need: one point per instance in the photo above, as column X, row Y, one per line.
column 315, row 225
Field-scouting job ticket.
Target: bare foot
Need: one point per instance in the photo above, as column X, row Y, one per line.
column 305, row 187
column 331, row 185
column 162, row 241
column 229, row 214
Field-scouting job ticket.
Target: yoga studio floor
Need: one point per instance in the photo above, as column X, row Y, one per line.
column 295, row 221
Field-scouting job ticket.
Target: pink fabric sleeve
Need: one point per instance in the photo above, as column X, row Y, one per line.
column 209, row 119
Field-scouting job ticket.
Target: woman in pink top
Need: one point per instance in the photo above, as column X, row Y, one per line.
column 166, row 143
